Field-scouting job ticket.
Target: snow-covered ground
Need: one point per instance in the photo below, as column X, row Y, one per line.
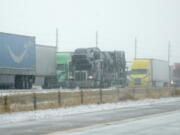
column 53, row 113
column 29, row 91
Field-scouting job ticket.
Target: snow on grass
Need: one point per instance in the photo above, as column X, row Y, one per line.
column 53, row 113
column 30, row 91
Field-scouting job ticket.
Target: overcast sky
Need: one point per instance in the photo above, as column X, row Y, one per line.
column 118, row 22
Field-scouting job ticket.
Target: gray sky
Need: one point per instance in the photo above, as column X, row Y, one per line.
column 153, row 22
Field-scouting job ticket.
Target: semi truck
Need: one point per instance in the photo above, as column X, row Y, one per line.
column 176, row 75
column 17, row 61
column 149, row 73
column 91, row 67
column 24, row 63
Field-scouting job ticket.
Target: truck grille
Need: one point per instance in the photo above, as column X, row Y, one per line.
column 80, row 76
column 137, row 81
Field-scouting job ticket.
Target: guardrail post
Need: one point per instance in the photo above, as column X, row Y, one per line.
column 82, row 96
column 34, row 101
column 59, row 98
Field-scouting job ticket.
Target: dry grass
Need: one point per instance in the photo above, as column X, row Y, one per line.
column 25, row 102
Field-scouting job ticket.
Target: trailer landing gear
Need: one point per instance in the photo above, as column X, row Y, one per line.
column 23, row 82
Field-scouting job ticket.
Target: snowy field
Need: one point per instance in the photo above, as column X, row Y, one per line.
column 53, row 113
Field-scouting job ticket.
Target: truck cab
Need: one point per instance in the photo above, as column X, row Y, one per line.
column 86, row 67
column 63, row 60
column 140, row 73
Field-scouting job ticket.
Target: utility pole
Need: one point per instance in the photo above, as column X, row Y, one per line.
column 57, row 39
column 135, row 48
column 169, row 52
column 96, row 39
column 169, row 62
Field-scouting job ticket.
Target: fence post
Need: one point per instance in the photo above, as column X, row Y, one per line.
column 134, row 92
column 118, row 94
column 173, row 91
column 82, row 96
column 6, row 106
column 59, row 98
column 147, row 92
column 159, row 90
column 100, row 95
column 34, row 101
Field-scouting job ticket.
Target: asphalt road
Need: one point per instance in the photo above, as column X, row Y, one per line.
column 69, row 123
column 162, row 124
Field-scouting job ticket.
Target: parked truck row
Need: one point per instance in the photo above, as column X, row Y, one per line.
column 23, row 63
column 85, row 68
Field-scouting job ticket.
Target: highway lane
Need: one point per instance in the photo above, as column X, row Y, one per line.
column 66, row 123
column 161, row 124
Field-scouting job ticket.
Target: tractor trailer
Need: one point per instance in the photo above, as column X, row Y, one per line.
column 23, row 63
column 17, row 61
column 149, row 73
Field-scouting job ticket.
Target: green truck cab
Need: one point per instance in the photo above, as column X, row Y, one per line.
column 63, row 60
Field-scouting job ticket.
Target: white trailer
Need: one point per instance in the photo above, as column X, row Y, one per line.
column 45, row 66
column 160, row 73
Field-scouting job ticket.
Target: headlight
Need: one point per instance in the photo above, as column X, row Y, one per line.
column 71, row 77
column 129, row 78
column 172, row 82
column 90, row 77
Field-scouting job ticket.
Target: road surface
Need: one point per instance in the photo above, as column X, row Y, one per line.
column 93, row 119
column 161, row 124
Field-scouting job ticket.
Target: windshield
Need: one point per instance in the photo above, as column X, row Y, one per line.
column 177, row 74
column 139, row 71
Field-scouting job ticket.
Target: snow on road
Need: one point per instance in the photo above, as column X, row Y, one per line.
column 53, row 113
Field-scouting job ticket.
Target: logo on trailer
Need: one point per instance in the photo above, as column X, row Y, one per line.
column 19, row 58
